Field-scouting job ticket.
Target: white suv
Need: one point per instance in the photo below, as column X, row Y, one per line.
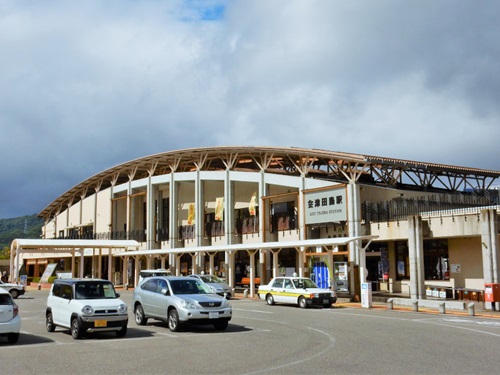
column 86, row 305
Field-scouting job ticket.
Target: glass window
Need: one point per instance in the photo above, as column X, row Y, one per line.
column 149, row 285
column 162, row 284
column 6, row 299
column 402, row 261
column 436, row 260
column 278, row 283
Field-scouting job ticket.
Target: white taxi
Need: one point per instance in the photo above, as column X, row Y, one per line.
column 296, row 290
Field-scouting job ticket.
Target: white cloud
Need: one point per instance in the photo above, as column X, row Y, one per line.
column 87, row 85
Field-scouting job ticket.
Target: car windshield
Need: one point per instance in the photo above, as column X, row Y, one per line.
column 188, row 286
column 304, row 283
column 94, row 290
column 211, row 279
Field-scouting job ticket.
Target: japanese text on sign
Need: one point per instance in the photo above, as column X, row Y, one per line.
column 326, row 206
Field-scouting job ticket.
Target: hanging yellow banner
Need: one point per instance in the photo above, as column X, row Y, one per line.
column 219, row 209
column 191, row 214
column 253, row 203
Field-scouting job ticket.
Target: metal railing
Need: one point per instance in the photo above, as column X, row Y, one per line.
column 401, row 208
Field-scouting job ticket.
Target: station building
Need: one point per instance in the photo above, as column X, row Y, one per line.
column 251, row 213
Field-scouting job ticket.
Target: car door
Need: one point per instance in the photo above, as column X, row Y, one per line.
column 277, row 290
column 147, row 292
column 158, row 302
column 289, row 294
column 59, row 301
column 65, row 309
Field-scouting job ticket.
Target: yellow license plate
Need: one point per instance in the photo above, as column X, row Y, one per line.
column 100, row 323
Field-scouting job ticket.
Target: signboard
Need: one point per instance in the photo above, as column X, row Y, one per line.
column 47, row 273
column 455, row 268
column 326, row 206
column 366, row 295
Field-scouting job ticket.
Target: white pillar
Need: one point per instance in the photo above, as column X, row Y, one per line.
column 150, row 216
column 416, row 255
column 82, row 261
column 212, row 263
column 172, row 227
column 490, row 247
column 252, row 272
column 110, row 266
column 125, row 271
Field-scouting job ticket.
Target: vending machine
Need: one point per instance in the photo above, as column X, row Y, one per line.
column 341, row 276
column 320, row 275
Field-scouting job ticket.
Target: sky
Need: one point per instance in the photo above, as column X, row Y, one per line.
column 88, row 85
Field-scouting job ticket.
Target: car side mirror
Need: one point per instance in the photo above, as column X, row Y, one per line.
column 165, row 292
column 117, row 295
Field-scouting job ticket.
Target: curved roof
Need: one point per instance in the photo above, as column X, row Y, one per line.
column 313, row 163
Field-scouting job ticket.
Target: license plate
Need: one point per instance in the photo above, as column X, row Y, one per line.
column 213, row 315
column 326, row 300
column 100, row 323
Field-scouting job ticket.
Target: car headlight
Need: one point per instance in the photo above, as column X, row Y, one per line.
column 225, row 303
column 87, row 309
column 122, row 309
column 188, row 304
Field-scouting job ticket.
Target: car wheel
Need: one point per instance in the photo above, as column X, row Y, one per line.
column 13, row 337
column 76, row 329
column 270, row 299
column 302, row 302
column 49, row 323
column 122, row 332
column 173, row 321
column 140, row 318
column 221, row 325
column 14, row 293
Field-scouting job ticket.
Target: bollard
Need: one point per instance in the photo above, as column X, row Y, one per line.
column 442, row 308
column 126, row 286
column 471, row 307
column 415, row 306
column 39, row 286
column 390, row 304
column 245, row 293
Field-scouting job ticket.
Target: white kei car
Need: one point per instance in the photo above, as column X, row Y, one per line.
column 10, row 321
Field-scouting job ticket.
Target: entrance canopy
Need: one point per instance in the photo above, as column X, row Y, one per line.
column 44, row 247
column 323, row 242
column 252, row 248
column 40, row 244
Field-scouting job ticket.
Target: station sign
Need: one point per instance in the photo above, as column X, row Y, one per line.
column 326, row 206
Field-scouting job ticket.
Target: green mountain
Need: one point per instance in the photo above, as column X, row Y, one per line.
column 19, row 227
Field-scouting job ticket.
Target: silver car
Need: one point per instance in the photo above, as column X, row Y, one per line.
column 217, row 285
column 180, row 301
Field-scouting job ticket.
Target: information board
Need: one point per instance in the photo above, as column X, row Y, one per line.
column 48, row 272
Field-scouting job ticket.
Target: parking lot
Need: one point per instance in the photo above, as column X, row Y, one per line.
column 263, row 339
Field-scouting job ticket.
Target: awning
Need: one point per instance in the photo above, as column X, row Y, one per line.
column 65, row 245
column 250, row 246
column 44, row 247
